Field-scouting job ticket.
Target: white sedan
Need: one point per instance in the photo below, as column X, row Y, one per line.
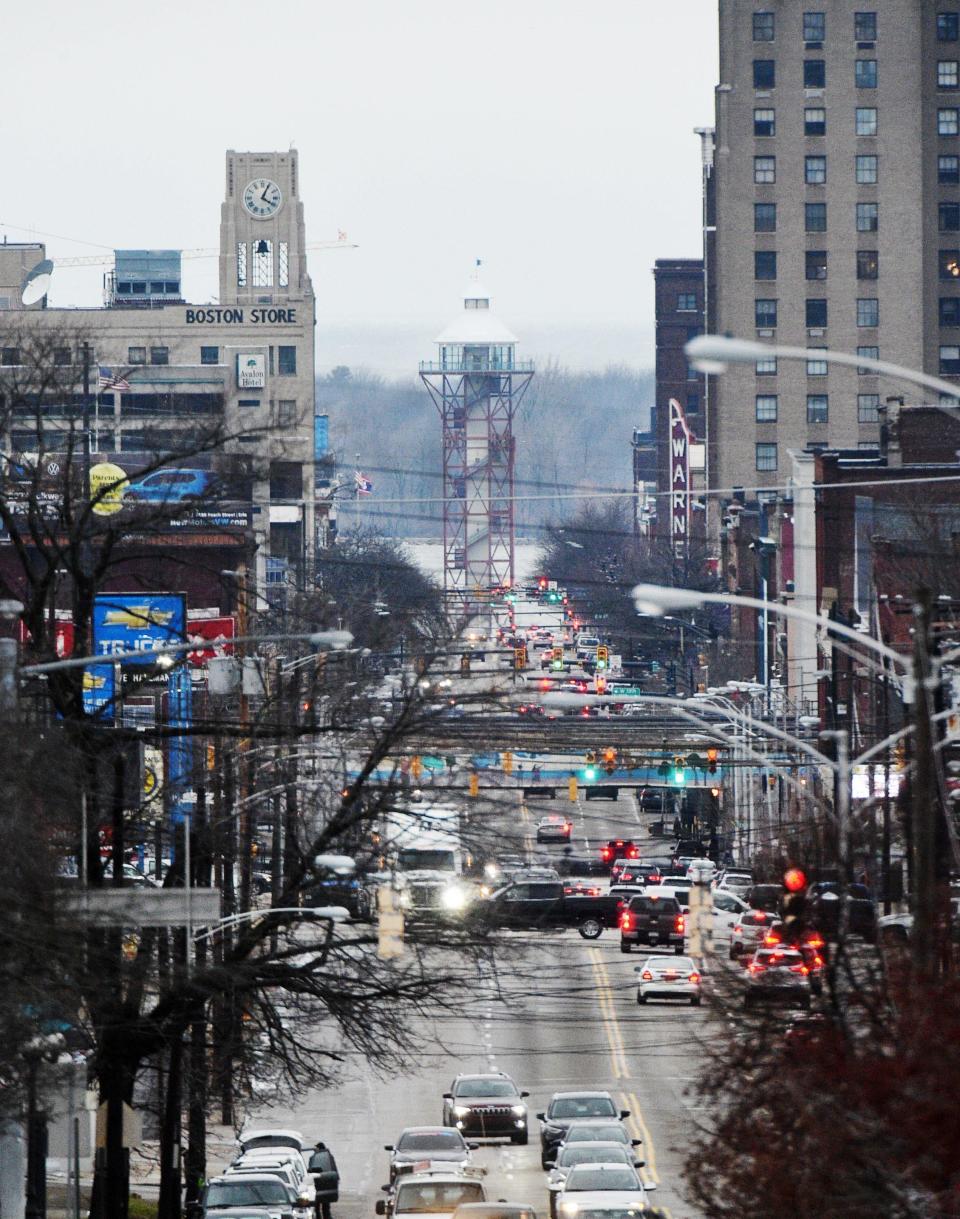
column 670, row 977
column 727, row 908
column 601, row 1185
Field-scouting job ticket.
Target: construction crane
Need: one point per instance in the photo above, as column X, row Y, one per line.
column 106, row 260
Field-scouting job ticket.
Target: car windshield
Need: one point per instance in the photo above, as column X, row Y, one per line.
column 659, row 964
column 427, row 1197
column 441, row 1140
column 588, row 1153
column 246, row 1193
column 779, row 960
column 583, row 1106
column 613, row 1133
column 586, row 1177
column 611, row 1212
column 434, row 860
column 485, row 1087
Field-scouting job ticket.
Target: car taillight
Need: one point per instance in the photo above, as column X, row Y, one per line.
column 815, row 940
column 647, row 976
column 633, row 853
column 694, row 978
column 799, row 969
column 626, row 921
column 756, row 968
column 605, row 852
column 568, row 826
column 679, row 923
column 771, row 939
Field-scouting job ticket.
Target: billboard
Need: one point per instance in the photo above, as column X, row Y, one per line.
column 131, row 622
column 214, row 635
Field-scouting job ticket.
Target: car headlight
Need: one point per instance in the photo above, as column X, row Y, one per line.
column 461, row 1110
column 405, row 900
column 454, row 898
column 491, row 870
column 519, row 1110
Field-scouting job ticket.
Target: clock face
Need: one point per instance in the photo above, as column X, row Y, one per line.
column 262, row 198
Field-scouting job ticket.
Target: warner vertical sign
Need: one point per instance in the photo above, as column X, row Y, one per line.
column 680, row 440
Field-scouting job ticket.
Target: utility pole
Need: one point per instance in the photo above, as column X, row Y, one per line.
column 926, row 810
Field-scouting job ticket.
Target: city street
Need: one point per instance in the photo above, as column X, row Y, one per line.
column 568, row 1019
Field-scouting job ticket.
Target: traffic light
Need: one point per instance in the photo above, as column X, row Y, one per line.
column 900, row 754
column 542, row 584
column 556, row 661
column 589, row 772
column 601, row 685
column 572, row 789
column 794, row 905
column 678, row 775
column 603, row 656
column 520, row 658
column 712, row 761
column 465, row 665
column 506, row 759
column 474, row 788
column 416, row 766
column 610, row 759
column 590, row 757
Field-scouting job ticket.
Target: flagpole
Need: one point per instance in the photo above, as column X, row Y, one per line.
column 356, row 492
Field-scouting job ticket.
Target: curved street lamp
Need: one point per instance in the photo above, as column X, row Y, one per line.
column 713, row 353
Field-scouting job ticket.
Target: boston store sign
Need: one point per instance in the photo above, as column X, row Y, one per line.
column 236, row 316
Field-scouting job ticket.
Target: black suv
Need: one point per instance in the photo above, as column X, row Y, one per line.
column 486, row 1106
column 567, row 1107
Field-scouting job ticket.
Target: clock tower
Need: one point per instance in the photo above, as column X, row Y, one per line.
column 262, row 254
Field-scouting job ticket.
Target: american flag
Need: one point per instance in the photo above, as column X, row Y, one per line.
column 106, row 380
column 363, row 484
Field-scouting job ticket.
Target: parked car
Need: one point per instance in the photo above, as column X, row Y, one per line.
column 284, row 1162
column 487, row 1106
column 225, row 1194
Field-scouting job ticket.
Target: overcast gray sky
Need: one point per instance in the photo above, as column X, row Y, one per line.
column 551, row 138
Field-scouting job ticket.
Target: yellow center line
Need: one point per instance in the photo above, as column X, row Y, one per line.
column 642, row 1131
column 621, row 1069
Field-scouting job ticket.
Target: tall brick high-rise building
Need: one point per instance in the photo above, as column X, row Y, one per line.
column 837, row 179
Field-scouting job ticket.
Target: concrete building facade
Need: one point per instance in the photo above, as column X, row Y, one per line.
column 837, row 191
column 247, row 361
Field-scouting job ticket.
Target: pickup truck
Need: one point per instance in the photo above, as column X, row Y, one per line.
column 653, row 921
column 542, row 904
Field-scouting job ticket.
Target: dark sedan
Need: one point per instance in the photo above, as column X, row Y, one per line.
column 567, row 1107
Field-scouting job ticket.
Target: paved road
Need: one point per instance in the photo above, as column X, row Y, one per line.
column 567, row 1019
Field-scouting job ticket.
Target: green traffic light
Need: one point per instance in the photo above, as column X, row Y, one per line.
column 679, row 777
column 590, row 773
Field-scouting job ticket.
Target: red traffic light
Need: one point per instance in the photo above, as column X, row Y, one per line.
column 794, row 879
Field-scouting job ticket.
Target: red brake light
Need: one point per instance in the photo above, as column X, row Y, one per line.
column 755, row 967
column 626, row 921
column 815, row 940
column 633, row 853
column 771, row 938
column 647, row 976
column 679, row 923
column 799, row 969
column 605, row 852
column 694, row 978
column 619, row 842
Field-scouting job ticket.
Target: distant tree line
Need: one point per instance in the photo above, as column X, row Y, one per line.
column 572, row 429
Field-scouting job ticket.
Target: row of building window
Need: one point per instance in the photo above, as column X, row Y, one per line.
column 865, row 169
column 817, row 367
column 865, row 120
column 815, row 73
column 156, row 287
column 815, row 217
column 814, row 27
column 864, row 74
column 63, row 357
column 765, row 312
column 765, row 264
column 818, row 408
